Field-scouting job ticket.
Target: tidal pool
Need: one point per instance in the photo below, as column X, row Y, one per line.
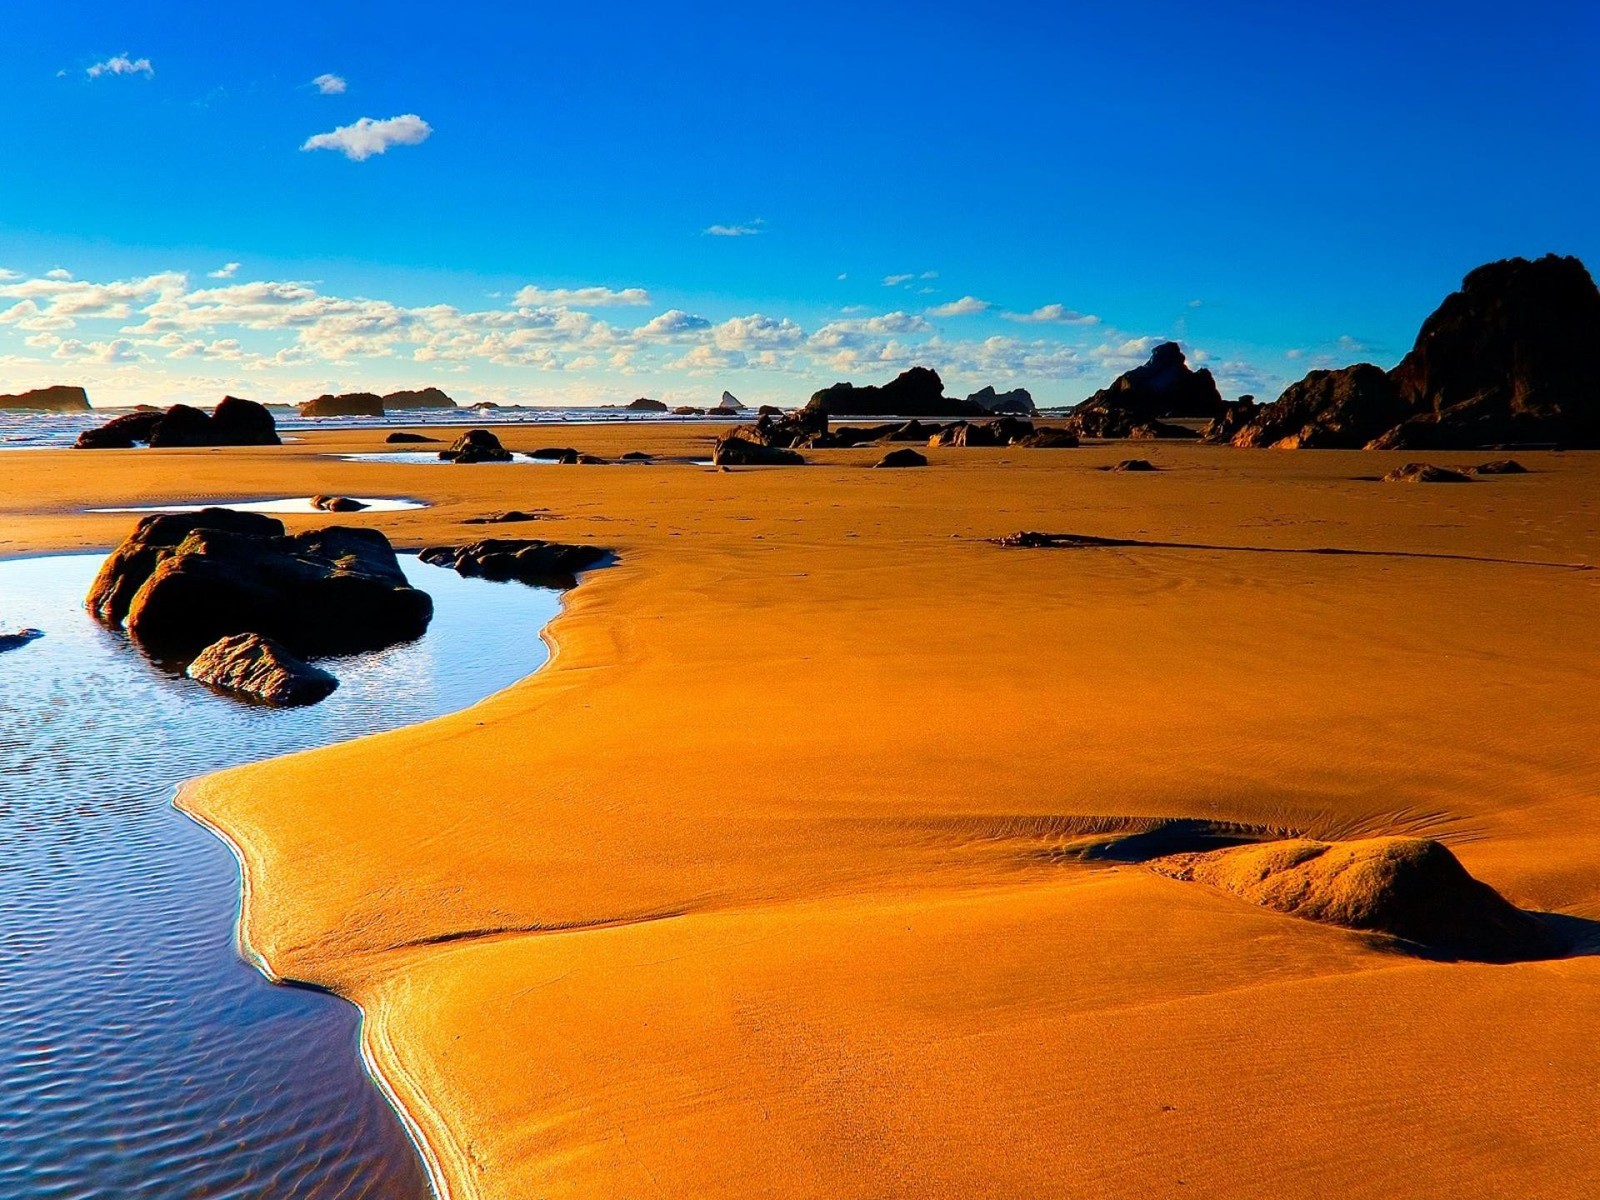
column 289, row 504
column 141, row 1056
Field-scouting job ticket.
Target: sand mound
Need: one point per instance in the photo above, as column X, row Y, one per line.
column 1413, row 888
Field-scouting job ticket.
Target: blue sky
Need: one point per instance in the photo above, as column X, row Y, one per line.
column 1275, row 188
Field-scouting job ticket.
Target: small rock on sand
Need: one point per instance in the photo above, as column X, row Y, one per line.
column 258, row 668
column 906, row 457
column 1425, row 473
column 1133, row 464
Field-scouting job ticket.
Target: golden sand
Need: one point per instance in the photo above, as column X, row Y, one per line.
column 755, row 889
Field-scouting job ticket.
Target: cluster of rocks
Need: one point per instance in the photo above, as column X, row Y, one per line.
column 1508, row 359
column 234, row 422
column 370, row 404
column 476, row 446
column 808, row 429
column 248, row 602
column 1142, row 402
column 57, row 398
column 530, row 560
column 918, row 392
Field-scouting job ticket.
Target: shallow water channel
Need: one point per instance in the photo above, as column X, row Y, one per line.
column 140, row 1055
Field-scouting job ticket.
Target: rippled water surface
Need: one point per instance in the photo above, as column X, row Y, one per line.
column 139, row 1055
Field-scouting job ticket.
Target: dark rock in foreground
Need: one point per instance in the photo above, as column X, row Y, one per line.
column 905, row 457
column 1500, row 466
column 1425, row 473
column 1163, row 387
column 407, row 439
column 531, row 561
column 476, row 446
column 258, row 668
column 59, row 398
column 234, row 422
column 1049, row 439
column 1410, row 888
column 183, row 580
column 1327, row 410
column 731, row 451
column 346, row 404
column 16, row 639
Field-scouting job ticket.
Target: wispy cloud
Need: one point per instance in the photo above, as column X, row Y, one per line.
column 330, row 85
column 965, row 307
column 533, row 296
column 1053, row 314
column 121, row 64
column 225, row 271
column 748, row 229
column 367, row 136
column 897, row 280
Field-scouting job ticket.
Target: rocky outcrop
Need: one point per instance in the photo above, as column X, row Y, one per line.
column 1049, row 438
column 1164, row 387
column 734, row 451
column 918, row 392
column 234, row 422
column 1327, row 410
column 1018, row 401
column 17, row 638
column 1500, row 466
column 183, row 580
column 1001, row 432
column 1409, row 888
column 476, row 446
column 1425, row 473
column 729, row 403
column 1225, row 426
column 336, row 504
column 643, row 404
column 560, row 454
column 408, row 439
column 59, row 398
column 904, row 457
column 531, row 561
column 428, row 397
column 260, row 669
column 688, row 410
column 799, row 428
column 346, row 404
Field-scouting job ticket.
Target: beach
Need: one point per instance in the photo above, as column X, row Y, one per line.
column 768, row 883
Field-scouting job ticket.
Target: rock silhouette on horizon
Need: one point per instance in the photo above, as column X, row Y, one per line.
column 234, row 422
column 58, row 397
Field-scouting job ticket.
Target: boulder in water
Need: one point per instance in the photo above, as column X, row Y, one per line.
column 57, row 398
column 260, row 669
column 645, row 404
column 531, row 561
column 428, row 397
column 337, row 504
column 345, row 404
column 476, row 446
column 234, row 422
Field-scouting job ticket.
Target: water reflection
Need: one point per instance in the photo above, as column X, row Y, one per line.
column 141, row 1057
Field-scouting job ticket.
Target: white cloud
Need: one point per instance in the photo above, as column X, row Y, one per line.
column 58, row 273
column 965, row 307
column 330, row 85
column 533, row 296
column 929, row 275
column 843, row 275
column 749, row 229
column 672, row 323
column 225, row 271
column 367, row 137
column 1053, row 314
column 897, row 280
column 121, row 64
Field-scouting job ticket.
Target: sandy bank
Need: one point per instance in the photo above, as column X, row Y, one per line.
column 752, row 890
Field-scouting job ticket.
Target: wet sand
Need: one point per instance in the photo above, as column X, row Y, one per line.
column 757, row 887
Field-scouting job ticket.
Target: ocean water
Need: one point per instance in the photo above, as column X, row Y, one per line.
column 141, row 1056
column 33, row 430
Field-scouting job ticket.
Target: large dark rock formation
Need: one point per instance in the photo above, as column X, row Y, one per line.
column 918, row 392
column 526, row 560
column 260, row 669
column 234, row 422
column 1018, row 401
column 645, row 404
column 60, row 398
column 183, row 580
column 806, row 427
column 1510, row 358
column 476, row 446
column 346, row 404
column 1164, row 387
column 428, row 397
column 1410, row 888
column 1327, row 410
